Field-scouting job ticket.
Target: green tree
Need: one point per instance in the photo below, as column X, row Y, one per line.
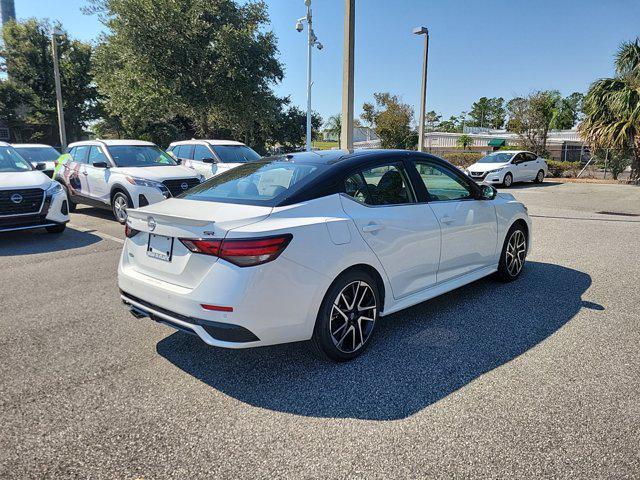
column 530, row 117
column 334, row 127
column 452, row 125
column 29, row 101
column 212, row 62
column 432, row 120
column 290, row 129
column 393, row 121
column 612, row 108
column 567, row 112
column 464, row 141
column 487, row 112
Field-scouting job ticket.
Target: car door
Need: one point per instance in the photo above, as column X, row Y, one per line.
column 73, row 172
column 533, row 165
column 208, row 169
column 519, row 167
column 468, row 224
column 97, row 177
column 403, row 233
column 184, row 153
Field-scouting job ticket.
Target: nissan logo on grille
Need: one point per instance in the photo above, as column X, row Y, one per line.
column 16, row 198
column 184, row 185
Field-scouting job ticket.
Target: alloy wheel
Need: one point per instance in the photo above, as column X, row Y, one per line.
column 508, row 180
column 516, row 252
column 540, row 176
column 353, row 316
column 120, row 208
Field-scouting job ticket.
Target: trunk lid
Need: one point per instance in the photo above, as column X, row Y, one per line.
column 180, row 218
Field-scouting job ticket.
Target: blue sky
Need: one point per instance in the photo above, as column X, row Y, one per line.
column 478, row 48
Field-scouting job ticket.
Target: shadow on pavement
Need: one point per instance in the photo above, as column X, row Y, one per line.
column 30, row 242
column 524, row 185
column 95, row 212
column 418, row 356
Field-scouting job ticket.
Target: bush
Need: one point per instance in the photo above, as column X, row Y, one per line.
column 462, row 159
column 563, row 169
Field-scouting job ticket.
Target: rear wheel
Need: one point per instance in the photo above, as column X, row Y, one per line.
column 119, row 204
column 347, row 317
column 514, row 252
column 507, row 181
column 539, row 177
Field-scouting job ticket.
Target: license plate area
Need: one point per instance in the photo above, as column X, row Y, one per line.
column 160, row 247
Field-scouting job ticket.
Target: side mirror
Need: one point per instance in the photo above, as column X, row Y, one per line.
column 487, row 192
column 41, row 166
column 208, row 160
column 100, row 164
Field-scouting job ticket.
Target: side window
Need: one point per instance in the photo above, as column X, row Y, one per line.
column 383, row 185
column 201, row 152
column 97, row 155
column 530, row 157
column 185, row 152
column 519, row 158
column 442, row 184
column 79, row 154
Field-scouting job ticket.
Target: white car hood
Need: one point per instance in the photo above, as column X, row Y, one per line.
column 485, row 167
column 28, row 179
column 167, row 172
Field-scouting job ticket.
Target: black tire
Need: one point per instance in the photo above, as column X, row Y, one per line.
column 507, row 183
column 507, row 271
column 539, row 177
column 358, row 330
column 56, row 228
column 119, row 199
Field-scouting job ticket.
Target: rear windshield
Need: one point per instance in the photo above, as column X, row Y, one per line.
column 38, row 154
column 256, row 183
column 235, row 153
column 139, row 156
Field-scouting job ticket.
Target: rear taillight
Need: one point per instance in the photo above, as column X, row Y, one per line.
column 130, row 232
column 240, row 251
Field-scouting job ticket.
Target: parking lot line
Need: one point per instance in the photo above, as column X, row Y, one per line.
column 105, row 236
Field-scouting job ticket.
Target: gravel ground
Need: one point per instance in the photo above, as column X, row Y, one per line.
column 540, row 377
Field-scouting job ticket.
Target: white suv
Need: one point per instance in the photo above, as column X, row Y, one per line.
column 28, row 198
column 212, row 157
column 39, row 153
column 121, row 174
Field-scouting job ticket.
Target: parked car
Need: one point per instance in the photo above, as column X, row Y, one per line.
column 28, row 198
column 316, row 245
column 507, row 166
column 39, row 153
column 121, row 174
column 212, row 157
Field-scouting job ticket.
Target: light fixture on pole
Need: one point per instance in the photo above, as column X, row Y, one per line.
column 423, row 91
column 312, row 41
column 56, row 75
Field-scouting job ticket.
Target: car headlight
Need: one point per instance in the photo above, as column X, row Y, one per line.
column 496, row 170
column 141, row 182
column 54, row 188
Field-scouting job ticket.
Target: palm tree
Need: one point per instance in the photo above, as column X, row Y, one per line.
column 334, row 126
column 464, row 141
column 612, row 108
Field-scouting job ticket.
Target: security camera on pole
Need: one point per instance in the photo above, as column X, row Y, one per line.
column 312, row 42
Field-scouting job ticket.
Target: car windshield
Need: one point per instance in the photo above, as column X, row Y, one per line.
column 11, row 161
column 38, row 154
column 255, row 183
column 235, row 153
column 497, row 157
column 139, row 156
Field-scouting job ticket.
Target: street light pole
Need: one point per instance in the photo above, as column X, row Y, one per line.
column 312, row 41
column 346, row 133
column 423, row 91
column 56, row 75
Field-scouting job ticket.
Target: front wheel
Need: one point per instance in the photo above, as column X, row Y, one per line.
column 514, row 252
column 347, row 317
column 119, row 204
column 539, row 177
column 507, row 181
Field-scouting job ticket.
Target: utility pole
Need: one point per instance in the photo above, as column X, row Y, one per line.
column 346, row 134
column 423, row 91
column 56, row 74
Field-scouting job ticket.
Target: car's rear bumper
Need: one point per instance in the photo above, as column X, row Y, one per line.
column 276, row 302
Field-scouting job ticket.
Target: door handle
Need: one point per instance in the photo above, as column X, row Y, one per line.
column 372, row 227
column 447, row 219
column 85, row 173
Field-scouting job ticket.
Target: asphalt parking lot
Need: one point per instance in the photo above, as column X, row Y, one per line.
column 540, row 377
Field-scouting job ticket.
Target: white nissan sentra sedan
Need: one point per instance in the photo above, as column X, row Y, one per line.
column 505, row 167
column 316, row 245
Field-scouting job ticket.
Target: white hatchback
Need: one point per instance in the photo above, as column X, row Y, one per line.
column 28, row 198
column 212, row 157
column 505, row 167
column 121, row 174
column 316, row 245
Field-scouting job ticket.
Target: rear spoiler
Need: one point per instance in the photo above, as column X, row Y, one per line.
column 141, row 214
